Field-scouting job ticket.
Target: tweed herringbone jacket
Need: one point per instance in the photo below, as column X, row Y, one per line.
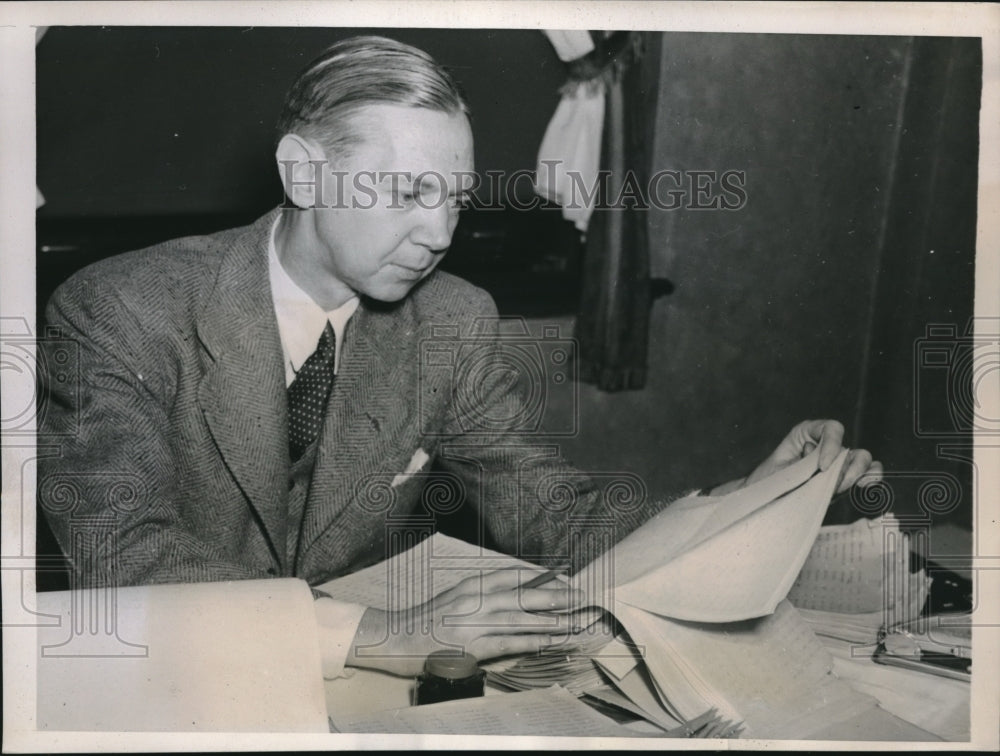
column 170, row 423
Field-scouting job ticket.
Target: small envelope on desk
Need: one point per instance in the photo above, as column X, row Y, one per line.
column 417, row 462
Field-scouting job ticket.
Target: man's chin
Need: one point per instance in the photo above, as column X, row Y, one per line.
column 393, row 292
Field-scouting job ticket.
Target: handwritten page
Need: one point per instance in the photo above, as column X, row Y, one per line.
column 861, row 568
column 552, row 711
column 239, row 656
column 843, row 572
column 719, row 559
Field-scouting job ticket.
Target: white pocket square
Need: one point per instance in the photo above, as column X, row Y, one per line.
column 417, row 462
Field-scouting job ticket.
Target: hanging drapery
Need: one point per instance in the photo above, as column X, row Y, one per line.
column 595, row 160
column 612, row 326
column 570, row 154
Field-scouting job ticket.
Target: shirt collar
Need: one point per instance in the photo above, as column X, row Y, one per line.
column 300, row 320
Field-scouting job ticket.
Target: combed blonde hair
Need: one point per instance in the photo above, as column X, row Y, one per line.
column 362, row 71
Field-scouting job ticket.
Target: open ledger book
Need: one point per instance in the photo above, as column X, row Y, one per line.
column 719, row 559
column 700, row 590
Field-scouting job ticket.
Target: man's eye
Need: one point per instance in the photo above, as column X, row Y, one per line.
column 402, row 199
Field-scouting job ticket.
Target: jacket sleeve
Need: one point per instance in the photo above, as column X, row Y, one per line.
column 106, row 480
column 533, row 502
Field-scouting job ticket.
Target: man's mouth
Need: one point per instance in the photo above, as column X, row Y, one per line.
column 410, row 272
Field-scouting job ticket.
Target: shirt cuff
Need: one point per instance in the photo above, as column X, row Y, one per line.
column 338, row 622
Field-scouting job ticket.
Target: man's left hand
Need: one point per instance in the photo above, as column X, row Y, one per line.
column 860, row 469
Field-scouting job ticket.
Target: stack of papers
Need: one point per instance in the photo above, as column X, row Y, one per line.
column 857, row 580
column 700, row 591
column 574, row 671
column 570, row 665
column 770, row 673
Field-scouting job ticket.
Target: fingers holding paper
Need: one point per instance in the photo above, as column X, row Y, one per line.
column 860, row 470
column 488, row 615
column 828, row 435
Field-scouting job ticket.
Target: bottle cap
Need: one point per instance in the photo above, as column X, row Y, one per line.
column 451, row 665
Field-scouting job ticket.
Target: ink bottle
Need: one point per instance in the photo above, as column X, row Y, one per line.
column 449, row 675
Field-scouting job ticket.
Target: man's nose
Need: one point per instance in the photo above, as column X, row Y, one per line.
column 434, row 228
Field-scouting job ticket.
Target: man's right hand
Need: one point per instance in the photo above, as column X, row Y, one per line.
column 486, row 615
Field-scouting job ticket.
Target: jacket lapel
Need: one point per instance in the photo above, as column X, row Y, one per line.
column 242, row 393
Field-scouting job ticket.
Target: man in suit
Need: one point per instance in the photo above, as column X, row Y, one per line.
column 258, row 403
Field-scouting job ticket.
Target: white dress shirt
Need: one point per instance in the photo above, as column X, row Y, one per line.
column 300, row 320
column 300, row 324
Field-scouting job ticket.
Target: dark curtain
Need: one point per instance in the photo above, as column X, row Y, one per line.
column 612, row 326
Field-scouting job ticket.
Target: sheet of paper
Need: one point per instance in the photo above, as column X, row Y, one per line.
column 680, row 694
column 875, row 724
column 844, row 569
column 939, row 704
column 617, row 659
column 859, row 628
column 553, row 712
column 747, row 550
column 240, row 657
column 414, row 576
column 771, row 672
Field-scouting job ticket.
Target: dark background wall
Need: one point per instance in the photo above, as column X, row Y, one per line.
column 166, row 121
column 860, row 158
column 769, row 320
column 812, row 300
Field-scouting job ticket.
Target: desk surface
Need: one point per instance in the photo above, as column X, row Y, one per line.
column 179, row 659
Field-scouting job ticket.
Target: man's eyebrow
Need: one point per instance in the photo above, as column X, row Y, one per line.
column 433, row 184
column 406, row 181
column 396, row 178
column 426, row 181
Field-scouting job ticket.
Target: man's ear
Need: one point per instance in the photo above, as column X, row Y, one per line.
column 302, row 169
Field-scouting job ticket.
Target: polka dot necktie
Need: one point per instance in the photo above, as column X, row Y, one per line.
column 308, row 393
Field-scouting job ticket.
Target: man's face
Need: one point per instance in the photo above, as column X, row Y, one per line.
column 391, row 205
